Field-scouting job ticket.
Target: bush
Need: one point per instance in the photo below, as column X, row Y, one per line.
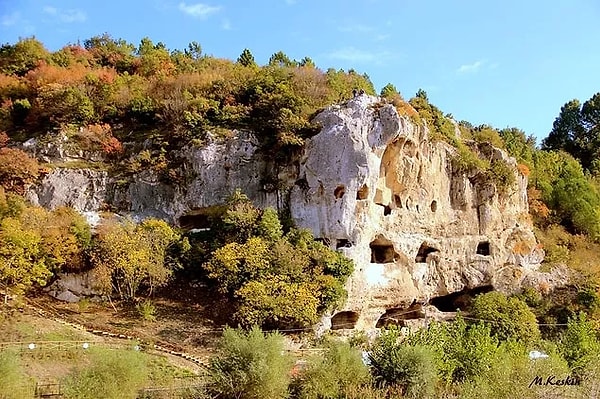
column 509, row 318
column 146, row 310
column 250, row 366
column 111, row 374
column 411, row 368
column 579, row 343
column 341, row 369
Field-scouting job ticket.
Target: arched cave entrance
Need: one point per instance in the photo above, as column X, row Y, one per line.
column 396, row 316
column 459, row 300
column 339, row 191
column 344, row 320
column 382, row 250
column 424, row 250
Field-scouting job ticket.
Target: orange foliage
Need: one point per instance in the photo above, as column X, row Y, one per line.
column 17, row 169
column 99, row 137
column 47, row 74
column 522, row 248
column 537, row 207
column 523, row 169
column 3, row 139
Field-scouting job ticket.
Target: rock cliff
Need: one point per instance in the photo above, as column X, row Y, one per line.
column 370, row 184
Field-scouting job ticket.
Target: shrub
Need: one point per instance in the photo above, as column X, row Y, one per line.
column 250, row 366
column 341, row 369
column 509, row 318
column 411, row 368
column 146, row 310
column 579, row 343
column 111, row 374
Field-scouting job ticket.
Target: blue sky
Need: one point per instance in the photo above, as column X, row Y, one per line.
column 505, row 63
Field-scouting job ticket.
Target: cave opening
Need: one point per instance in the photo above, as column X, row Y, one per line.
column 386, row 209
column 396, row 316
column 343, row 243
column 397, row 201
column 362, row 193
column 197, row 219
column 483, row 248
column 424, row 250
column 382, row 251
column 459, row 300
column 344, row 320
column 339, row 191
column 433, row 206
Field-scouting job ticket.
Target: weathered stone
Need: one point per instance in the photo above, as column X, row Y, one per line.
column 372, row 184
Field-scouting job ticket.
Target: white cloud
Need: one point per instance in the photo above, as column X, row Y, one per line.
column 66, row 16
column 353, row 54
column 471, row 68
column 10, row 19
column 198, row 10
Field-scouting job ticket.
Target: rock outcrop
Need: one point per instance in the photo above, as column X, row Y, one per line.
column 370, row 184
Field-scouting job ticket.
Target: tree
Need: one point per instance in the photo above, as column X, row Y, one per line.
column 17, row 169
column 280, row 59
column 246, row 59
column 389, row 91
column 250, row 365
column 307, row 62
column 21, row 263
column 194, row 51
column 509, row 317
column 22, row 57
column 128, row 256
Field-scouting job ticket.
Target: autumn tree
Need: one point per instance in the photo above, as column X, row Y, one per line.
column 17, row 169
column 128, row 256
column 22, row 57
column 21, row 261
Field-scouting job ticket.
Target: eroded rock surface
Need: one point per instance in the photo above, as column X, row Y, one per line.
column 371, row 184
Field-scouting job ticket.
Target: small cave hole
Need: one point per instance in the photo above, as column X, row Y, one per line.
column 339, row 191
column 397, row 201
column 324, row 240
column 362, row 193
column 396, row 316
column 433, row 206
column 483, row 248
column 386, row 209
column 424, row 250
column 417, row 207
column 344, row 320
column 382, row 251
column 459, row 300
column 343, row 243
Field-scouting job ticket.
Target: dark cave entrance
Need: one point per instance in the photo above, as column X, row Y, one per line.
column 382, row 250
column 344, row 320
column 424, row 250
column 396, row 316
column 459, row 300
column 483, row 248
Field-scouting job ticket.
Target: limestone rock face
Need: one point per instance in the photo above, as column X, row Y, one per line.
column 376, row 188
column 370, row 184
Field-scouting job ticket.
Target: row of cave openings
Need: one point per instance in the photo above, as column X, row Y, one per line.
column 382, row 251
column 363, row 194
column 399, row 315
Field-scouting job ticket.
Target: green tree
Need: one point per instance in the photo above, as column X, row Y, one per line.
column 280, row 59
column 194, row 51
column 22, row 57
column 246, row 59
column 579, row 344
column 509, row 317
column 250, row 365
column 389, row 91
column 307, row 62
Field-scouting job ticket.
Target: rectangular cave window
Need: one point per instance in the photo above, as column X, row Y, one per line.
column 483, row 248
column 344, row 320
column 382, row 251
column 343, row 243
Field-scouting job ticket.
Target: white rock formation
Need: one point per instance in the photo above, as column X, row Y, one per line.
column 371, row 184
